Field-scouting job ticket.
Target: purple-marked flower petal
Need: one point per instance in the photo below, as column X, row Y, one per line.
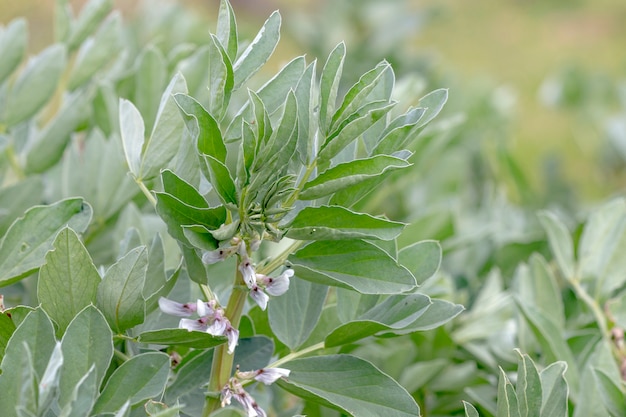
column 197, row 324
column 259, row 297
column 247, row 271
column 233, row 336
column 218, row 327
column 226, row 394
column 247, row 402
column 259, row 411
column 279, row 285
column 214, row 256
column 176, row 309
column 270, row 375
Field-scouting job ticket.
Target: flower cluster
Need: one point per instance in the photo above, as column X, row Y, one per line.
column 234, row 388
column 210, row 319
column 260, row 285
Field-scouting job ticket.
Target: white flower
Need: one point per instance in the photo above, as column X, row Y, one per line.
column 226, row 394
column 259, row 297
column 279, row 285
column 247, row 402
column 259, row 411
column 205, row 308
column 199, row 325
column 247, row 271
column 270, row 375
column 233, row 337
column 219, row 325
column 217, row 255
column 177, row 309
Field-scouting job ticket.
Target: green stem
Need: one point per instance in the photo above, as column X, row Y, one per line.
column 593, row 305
column 222, row 366
column 146, row 192
column 122, row 356
column 15, row 165
column 280, row 259
column 295, row 355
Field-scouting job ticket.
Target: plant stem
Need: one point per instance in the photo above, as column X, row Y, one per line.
column 222, row 365
column 146, row 192
column 280, row 259
column 295, row 355
column 595, row 308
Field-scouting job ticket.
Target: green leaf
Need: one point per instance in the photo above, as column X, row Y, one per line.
column 16, row 198
column 90, row 17
column 50, row 143
column 555, row 390
column 7, row 327
column 182, row 190
column 355, row 127
column 49, row 381
column 221, row 78
column 419, row 374
column 226, row 31
column 83, row 396
column 552, row 341
column 141, row 377
column 259, row 50
column 394, row 313
column 35, row 85
column 399, row 132
column 602, row 244
column 329, row 85
column 279, row 149
column 120, row 293
column 421, row 258
column 432, row 102
column 293, row 315
column 267, row 98
column 347, row 174
column 337, row 223
column 36, row 334
column 353, row 264
column 254, row 352
column 110, row 188
column 307, row 123
column 94, row 54
column 221, row 180
column 68, row 281
column 166, row 135
column 439, row 313
column 202, row 126
column 560, row 242
column 181, row 337
column 13, row 42
column 88, row 348
column 356, row 97
column 175, row 213
column 611, row 393
column 150, row 78
column 190, row 376
column 30, row 237
column 538, row 287
column 528, row 387
column 132, row 130
column 470, row 411
column 325, row 379
column 507, row 399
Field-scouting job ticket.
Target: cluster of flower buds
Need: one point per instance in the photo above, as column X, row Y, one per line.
column 234, row 388
column 260, row 285
column 210, row 319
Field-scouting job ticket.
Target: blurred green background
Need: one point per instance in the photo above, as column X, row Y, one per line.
column 539, row 82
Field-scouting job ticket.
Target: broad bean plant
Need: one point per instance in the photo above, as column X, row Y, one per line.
column 180, row 231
